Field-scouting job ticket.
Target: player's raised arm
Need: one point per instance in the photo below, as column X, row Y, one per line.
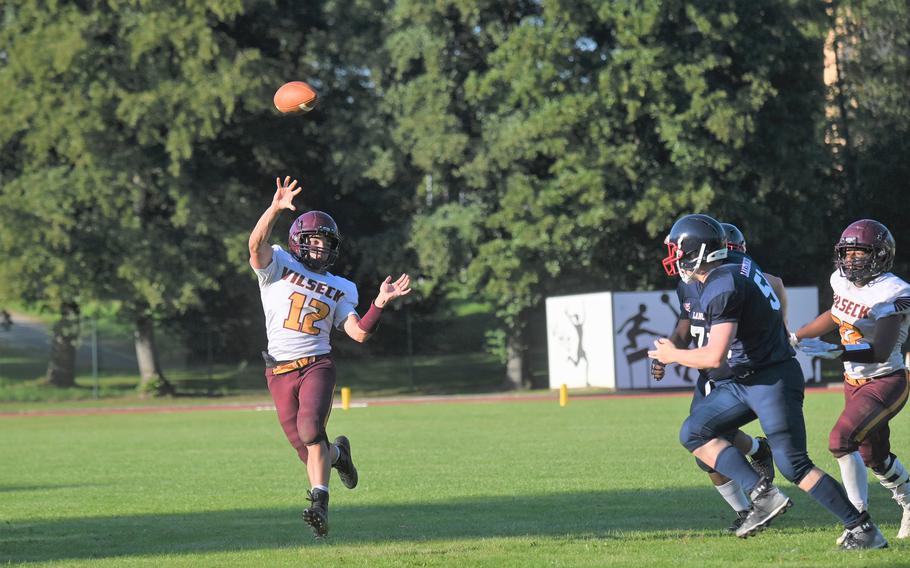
column 260, row 251
column 360, row 329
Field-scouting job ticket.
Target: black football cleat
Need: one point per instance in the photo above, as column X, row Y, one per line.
column 317, row 514
column 767, row 503
column 345, row 465
column 738, row 521
column 865, row 535
column 762, row 461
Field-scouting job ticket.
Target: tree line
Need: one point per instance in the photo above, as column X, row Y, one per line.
column 501, row 151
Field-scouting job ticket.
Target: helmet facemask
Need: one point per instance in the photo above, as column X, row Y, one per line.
column 860, row 269
column 673, row 254
column 687, row 264
column 303, row 229
column 315, row 257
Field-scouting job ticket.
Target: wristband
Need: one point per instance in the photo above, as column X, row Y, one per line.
column 370, row 320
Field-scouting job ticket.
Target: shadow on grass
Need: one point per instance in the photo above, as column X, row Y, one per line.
column 15, row 488
column 624, row 514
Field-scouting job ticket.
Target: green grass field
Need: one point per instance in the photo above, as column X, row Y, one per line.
column 598, row 483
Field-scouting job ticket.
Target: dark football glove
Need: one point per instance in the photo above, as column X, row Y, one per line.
column 657, row 369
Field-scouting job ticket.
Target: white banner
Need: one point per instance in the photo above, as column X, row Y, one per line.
column 603, row 339
column 579, row 345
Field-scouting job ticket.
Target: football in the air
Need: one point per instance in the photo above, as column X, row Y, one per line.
column 295, row 96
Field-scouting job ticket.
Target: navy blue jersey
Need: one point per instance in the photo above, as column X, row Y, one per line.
column 735, row 257
column 738, row 292
column 690, row 309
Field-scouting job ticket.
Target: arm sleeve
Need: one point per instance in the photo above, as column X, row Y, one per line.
column 346, row 306
column 272, row 272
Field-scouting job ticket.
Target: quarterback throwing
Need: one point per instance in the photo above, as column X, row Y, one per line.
column 303, row 302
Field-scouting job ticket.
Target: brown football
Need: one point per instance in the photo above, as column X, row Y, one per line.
column 295, row 96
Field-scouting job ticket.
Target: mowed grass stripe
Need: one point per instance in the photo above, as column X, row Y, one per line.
column 597, row 483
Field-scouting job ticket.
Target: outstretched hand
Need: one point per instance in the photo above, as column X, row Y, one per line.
column 814, row 347
column 389, row 290
column 285, row 193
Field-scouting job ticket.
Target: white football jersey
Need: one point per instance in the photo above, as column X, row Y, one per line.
column 855, row 309
column 302, row 306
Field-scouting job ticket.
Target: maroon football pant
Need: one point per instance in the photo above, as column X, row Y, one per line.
column 303, row 399
column 863, row 424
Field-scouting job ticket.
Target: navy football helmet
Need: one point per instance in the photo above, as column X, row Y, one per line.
column 310, row 224
column 870, row 236
column 735, row 238
column 693, row 240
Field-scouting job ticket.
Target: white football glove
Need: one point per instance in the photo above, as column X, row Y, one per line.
column 814, row 347
column 794, row 342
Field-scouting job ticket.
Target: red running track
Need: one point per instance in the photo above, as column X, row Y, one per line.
column 360, row 403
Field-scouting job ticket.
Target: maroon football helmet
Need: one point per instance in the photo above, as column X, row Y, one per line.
column 872, row 237
column 310, row 224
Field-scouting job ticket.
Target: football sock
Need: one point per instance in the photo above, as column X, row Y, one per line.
column 832, row 496
column 321, row 488
column 335, row 452
column 892, row 473
column 856, row 479
column 734, row 496
column 733, row 464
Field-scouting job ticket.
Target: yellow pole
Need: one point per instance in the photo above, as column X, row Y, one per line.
column 345, row 398
column 563, row 395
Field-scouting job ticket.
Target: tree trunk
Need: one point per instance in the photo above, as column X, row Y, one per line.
column 517, row 376
column 846, row 157
column 61, row 369
column 152, row 380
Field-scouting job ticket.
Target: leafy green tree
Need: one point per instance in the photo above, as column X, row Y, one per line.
column 158, row 119
column 563, row 138
column 342, row 151
column 117, row 96
column 48, row 258
column 869, row 126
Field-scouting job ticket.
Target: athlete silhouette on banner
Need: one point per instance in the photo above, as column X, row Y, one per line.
column 633, row 352
column 578, row 322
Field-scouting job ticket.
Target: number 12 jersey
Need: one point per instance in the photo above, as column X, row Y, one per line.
column 302, row 306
